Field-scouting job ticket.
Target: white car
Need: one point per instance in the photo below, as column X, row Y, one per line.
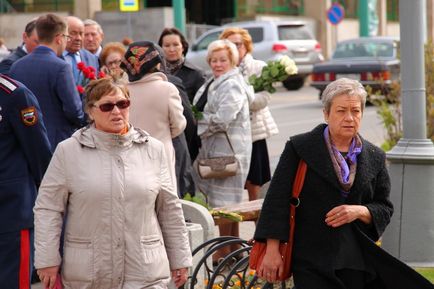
column 271, row 40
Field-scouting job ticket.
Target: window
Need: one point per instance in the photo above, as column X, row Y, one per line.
column 293, row 33
column 257, row 34
column 372, row 49
column 203, row 44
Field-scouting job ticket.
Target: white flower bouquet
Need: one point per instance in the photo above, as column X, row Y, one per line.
column 274, row 71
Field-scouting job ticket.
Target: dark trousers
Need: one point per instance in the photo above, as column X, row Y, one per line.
column 16, row 249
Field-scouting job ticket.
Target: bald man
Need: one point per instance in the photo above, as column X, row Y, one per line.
column 74, row 52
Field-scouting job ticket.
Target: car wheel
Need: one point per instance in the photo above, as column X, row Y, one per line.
column 293, row 83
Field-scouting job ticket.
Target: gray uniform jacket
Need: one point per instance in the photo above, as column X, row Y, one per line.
column 125, row 226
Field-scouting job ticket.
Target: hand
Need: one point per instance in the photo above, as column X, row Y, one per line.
column 272, row 264
column 48, row 276
column 345, row 214
column 179, row 276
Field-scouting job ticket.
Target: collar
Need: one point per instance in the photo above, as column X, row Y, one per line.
column 65, row 53
column 235, row 74
column 91, row 137
column 312, row 148
column 23, row 47
column 150, row 77
column 43, row 49
column 98, row 51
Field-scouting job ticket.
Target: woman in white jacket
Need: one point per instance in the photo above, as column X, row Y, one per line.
column 226, row 112
column 125, row 227
column 262, row 123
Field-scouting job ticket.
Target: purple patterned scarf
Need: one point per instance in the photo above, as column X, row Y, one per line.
column 345, row 167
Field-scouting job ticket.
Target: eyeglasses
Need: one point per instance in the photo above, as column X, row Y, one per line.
column 106, row 107
column 68, row 38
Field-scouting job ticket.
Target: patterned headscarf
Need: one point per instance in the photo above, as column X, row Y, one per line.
column 139, row 59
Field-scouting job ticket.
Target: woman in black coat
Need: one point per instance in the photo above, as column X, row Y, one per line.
column 175, row 47
column 343, row 203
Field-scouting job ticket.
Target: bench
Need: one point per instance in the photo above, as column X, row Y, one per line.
column 248, row 210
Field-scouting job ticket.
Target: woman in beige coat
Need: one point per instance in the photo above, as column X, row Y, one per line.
column 125, row 226
column 156, row 104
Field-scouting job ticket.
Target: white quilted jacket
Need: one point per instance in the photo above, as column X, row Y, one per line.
column 261, row 120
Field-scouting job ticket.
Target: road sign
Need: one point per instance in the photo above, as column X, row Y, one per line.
column 335, row 13
column 129, row 5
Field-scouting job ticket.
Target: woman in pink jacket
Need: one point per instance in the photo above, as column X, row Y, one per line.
column 156, row 106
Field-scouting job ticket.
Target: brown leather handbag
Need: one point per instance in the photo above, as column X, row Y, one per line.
column 259, row 248
column 218, row 167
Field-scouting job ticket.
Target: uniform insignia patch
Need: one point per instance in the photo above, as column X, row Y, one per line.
column 29, row 116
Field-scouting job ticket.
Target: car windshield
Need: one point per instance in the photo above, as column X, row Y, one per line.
column 291, row 32
column 364, row 49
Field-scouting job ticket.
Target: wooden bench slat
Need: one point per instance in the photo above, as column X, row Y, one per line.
column 248, row 210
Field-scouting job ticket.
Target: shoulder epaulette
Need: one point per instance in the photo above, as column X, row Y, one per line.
column 7, row 84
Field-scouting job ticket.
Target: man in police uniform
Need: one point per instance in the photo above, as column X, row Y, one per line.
column 24, row 156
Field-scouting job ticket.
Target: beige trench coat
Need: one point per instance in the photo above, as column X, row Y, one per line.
column 156, row 107
column 125, row 226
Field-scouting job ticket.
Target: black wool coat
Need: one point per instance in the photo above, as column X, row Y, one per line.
column 315, row 243
column 192, row 78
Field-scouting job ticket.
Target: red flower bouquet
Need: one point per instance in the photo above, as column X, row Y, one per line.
column 89, row 73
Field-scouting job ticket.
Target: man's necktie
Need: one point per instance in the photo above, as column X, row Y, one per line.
column 74, row 66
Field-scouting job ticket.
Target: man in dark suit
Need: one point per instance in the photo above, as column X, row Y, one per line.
column 30, row 41
column 50, row 79
column 74, row 52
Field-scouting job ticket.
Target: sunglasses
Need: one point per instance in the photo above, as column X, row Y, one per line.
column 106, row 107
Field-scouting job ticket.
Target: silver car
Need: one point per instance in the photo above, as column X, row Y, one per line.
column 272, row 40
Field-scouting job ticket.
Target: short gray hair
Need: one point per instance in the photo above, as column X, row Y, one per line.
column 343, row 86
column 223, row 44
column 90, row 22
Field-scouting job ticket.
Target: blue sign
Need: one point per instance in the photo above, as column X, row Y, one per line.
column 335, row 13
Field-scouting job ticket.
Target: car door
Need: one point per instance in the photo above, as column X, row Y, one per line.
column 197, row 55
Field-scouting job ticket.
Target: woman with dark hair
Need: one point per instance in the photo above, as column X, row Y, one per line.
column 175, row 47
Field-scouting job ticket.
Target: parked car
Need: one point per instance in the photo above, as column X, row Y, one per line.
column 371, row 60
column 272, row 40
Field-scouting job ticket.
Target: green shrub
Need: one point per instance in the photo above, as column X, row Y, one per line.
column 389, row 106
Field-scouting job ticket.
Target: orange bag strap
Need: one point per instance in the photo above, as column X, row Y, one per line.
column 299, row 181
column 295, row 201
